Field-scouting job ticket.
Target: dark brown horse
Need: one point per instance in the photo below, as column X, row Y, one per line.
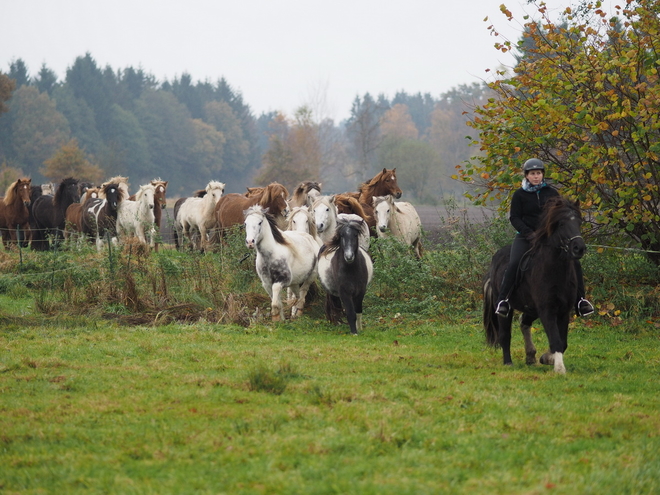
column 14, row 212
column 48, row 214
column 229, row 210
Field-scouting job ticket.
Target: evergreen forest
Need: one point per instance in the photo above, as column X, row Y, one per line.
column 99, row 122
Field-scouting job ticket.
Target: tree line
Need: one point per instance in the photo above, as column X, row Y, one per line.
column 99, row 122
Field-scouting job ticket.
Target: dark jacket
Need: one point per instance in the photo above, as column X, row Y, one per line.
column 526, row 208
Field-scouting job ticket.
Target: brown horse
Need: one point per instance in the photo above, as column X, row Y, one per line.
column 14, row 213
column 73, row 215
column 382, row 184
column 229, row 210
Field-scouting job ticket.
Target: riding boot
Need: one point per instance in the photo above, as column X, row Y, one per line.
column 503, row 307
column 582, row 306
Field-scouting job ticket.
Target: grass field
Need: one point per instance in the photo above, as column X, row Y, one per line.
column 409, row 406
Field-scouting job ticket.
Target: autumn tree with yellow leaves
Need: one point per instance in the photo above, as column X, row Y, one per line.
column 585, row 98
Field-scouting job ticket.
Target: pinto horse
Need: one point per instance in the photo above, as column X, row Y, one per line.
column 14, row 212
column 48, row 213
column 99, row 215
column 285, row 259
column 345, row 271
column 546, row 287
column 229, row 210
column 73, row 216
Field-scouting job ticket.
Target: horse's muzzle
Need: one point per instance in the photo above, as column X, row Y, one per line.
column 577, row 248
column 27, row 202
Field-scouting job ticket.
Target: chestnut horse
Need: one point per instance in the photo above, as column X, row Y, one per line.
column 73, row 216
column 229, row 210
column 14, row 212
column 305, row 194
column 382, row 184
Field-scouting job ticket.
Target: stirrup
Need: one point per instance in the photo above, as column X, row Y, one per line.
column 584, row 307
column 503, row 308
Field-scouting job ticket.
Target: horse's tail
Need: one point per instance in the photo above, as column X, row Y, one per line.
column 490, row 321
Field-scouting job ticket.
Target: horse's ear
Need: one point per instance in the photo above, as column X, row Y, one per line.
column 577, row 204
column 384, row 170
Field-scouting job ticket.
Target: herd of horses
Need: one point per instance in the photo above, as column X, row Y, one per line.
column 303, row 237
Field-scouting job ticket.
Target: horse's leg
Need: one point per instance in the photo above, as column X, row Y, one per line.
column 351, row 314
column 358, row 312
column 504, row 324
column 276, row 302
column 555, row 355
column 526, row 329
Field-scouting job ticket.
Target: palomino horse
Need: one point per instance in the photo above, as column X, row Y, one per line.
column 285, row 259
column 136, row 218
column 546, row 288
column 99, row 215
column 345, row 271
column 48, row 213
column 399, row 219
column 73, row 215
column 229, row 210
column 198, row 215
column 14, row 212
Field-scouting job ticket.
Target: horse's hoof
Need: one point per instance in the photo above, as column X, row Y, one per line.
column 547, row 359
column 508, row 364
column 531, row 360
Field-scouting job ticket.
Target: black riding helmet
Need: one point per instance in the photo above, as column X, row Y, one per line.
column 533, row 164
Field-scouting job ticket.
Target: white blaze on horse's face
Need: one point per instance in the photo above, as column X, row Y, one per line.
column 253, row 224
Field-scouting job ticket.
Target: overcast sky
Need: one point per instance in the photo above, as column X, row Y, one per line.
column 280, row 54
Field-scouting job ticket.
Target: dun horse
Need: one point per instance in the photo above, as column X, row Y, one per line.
column 400, row 220
column 546, row 287
column 198, row 215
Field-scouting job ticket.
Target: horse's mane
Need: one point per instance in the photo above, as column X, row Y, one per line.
column 254, row 191
column 351, row 204
column 554, row 210
column 120, row 182
column 326, row 200
column 159, row 182
column 143, row 189
column 310, row 219
column 89, row 193
column 304, row 188
column 57, row 199
column 10, row 195
column 105, row 187
column 270, row 193
column 351, row 222
column 277, row 233
column 214, row 184
column 383, row 199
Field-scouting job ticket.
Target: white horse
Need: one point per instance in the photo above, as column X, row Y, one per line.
column 300, row 219
column 326, row 216
column 198, row 214
column 400, row 219
column 136, row 218
column 284, row 259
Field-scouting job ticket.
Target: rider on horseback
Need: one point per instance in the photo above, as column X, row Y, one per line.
column 526, row 206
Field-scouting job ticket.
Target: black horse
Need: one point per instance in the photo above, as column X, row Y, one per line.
column 546, row 285
column 345, row 271
column 99, row 215
column 48, row 214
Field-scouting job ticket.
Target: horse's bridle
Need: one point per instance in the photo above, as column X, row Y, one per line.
column 565, row 243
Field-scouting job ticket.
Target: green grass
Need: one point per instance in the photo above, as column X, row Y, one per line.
column 409, row 406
